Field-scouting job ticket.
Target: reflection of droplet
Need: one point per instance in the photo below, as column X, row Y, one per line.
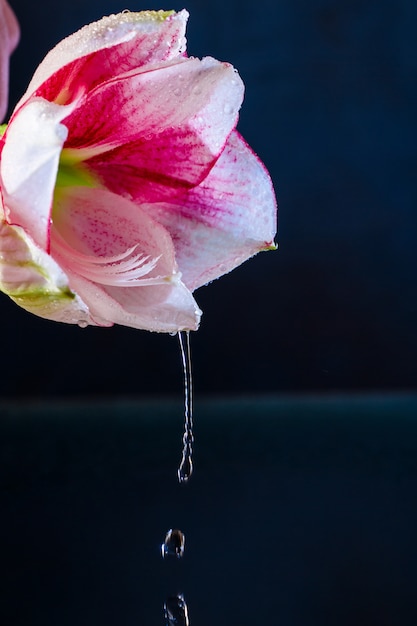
column 174, row 544
column 176, row 612
column 186, row 467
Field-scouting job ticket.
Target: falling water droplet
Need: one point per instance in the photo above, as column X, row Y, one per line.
column 186, row 466
column 176, row 612
column 174, row 544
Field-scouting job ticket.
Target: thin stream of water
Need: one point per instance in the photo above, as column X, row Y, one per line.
column 175, row 607
column 186, row 466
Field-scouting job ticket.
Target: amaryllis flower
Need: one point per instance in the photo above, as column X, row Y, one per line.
column 9, row 36
column 125, row 185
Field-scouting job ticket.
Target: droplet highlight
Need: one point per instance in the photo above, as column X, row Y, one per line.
column 176, row 611
column 186, row 465
column 174, row 544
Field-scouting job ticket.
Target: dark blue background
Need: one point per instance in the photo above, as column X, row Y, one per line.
column 330, row 108
column 305, row 517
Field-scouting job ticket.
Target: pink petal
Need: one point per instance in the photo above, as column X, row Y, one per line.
column 97, row 224
column 9, row 36
column 166, row 309
column 225, row 220
column 104, row 49
column 29, row 165
column 163, row 127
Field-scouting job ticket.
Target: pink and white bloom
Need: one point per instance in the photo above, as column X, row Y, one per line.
column 125, row 185
column 9, row 36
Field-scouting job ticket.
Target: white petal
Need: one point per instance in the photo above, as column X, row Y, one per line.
column 29, row 165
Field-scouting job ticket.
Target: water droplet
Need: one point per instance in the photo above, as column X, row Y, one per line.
column 82, row 324
column 186, row 466
column 174, row 544
column 176, row 611
column 177, row 91
column 228, row 109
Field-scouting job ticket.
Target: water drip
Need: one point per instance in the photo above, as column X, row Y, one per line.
column 186, row 466
column 174, row 544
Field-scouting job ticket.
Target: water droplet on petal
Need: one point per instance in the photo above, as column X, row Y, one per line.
column 61, row 132
column 174, row 544
column 176, row 611
column 82, row 323
column 177, row 91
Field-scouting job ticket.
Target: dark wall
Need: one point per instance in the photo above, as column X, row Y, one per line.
column 330, row 108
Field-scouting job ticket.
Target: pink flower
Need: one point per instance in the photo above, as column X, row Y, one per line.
column 124, row 183
column 9, row 36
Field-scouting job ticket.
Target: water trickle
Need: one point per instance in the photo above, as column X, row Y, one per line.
column 176, row 611
column 186, row 466
column 174, row 544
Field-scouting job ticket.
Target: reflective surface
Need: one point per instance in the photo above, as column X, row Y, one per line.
column 302, row 511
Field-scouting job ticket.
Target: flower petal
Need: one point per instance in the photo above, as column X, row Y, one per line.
column 98, row 224
column 29, row 164
column 102, row 225
column 35, row 282
column 166, row 308
column 103, row 49
column 164, row 127
column 227, row 219
column 9, row 36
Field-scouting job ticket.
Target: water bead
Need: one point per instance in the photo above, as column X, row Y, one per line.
column 174, row 544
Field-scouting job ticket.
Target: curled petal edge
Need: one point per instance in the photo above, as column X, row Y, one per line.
column 139, row 38
column 32, row 279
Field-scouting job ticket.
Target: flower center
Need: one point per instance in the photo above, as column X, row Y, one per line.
column 73, row 173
